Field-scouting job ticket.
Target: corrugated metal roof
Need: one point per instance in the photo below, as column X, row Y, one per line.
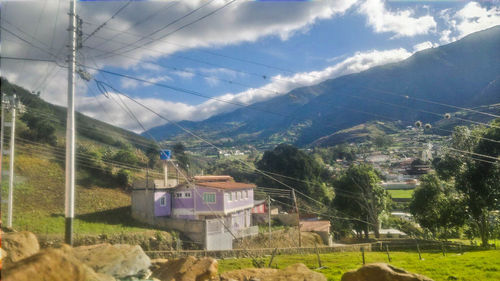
column 226, row 184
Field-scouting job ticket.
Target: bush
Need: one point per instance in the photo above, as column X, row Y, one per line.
column 124, row 177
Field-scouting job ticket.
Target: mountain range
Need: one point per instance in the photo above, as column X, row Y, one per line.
column 463, row 74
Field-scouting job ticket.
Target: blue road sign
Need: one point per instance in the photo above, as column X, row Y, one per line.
column 165, row 154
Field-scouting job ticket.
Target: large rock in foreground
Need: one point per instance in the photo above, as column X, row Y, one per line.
column 187, row 269
column 19, row 245
column 382, row 272
column 296, row 272
column 50, row 264
column 119, row 260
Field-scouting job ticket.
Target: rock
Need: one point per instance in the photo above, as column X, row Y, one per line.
column 50, row 264
column 19, row 245
column 119, row 260
column 157, row 263
column 187, row 269
column 381, row 272
column 296, row 272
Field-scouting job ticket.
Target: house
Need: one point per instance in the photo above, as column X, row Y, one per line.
column 215, row 207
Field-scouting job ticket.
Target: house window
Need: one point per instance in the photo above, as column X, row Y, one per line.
column 230, row 196
column 163, row 201
column 209, row 197
column 178, row 195
column 187, row 194
column 246, row 194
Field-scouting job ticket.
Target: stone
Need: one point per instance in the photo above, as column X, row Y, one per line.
column 295, row 272
column 187, row 269
column 50, row 264
column 382, row 272
column 157, row 263
column 18, row 245
column 118, row 260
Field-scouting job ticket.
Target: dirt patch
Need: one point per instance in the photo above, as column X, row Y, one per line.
column 285, row 238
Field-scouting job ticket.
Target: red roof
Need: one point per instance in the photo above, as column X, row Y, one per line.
column 213, row 178
column 226, row 184
column 315, row 226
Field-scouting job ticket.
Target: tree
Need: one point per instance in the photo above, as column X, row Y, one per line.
column 437, row 206
column 359, row 194
column 179, row 153
column 293, row 163
column 41, row 129
column 475, row 171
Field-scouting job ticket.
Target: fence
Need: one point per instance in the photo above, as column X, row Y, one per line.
column 241, row 253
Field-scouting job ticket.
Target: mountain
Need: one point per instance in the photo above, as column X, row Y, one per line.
column 88, row 129
column 465, row 73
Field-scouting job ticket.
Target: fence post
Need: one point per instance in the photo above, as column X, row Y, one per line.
column 387, row 250
column 317, row 254
column 442, row 248
column 272, row 257
column 419, row 254
column 363, row 254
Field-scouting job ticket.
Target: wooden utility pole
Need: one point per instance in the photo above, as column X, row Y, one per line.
column 298, row 216
column 269, row 216
column 1, row 135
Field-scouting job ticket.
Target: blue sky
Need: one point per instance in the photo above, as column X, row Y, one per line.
column 301, row 43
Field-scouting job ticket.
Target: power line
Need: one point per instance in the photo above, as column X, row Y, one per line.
column 104, row 23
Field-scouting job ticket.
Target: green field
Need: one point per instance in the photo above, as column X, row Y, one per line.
column 480, row 265
column 401, row 193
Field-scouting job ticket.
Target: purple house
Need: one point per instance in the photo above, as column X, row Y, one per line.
column 218, row 203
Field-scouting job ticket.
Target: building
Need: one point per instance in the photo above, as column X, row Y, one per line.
column 220, row 207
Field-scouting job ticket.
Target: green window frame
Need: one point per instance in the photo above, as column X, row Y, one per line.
column 209, row 197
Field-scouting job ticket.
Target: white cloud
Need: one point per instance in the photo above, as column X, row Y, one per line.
column 471, row 18
column 132, row 84
column 424, row 45
column 278, row 85
column 474, row 18
column 242, row 21
column 402, row 23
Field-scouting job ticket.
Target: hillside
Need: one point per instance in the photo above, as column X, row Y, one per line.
column 107, row 160
column 464, row 73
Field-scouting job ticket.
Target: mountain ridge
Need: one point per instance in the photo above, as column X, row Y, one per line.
column 464, row 73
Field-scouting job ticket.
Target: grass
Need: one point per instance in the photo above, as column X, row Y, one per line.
column 401, row 193
column 480, row 265
column 39, row 202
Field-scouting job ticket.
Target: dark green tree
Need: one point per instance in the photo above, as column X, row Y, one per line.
column 179, row 153
column 471, row 163
column 300, row 169
column 437, row 206
column 358, row 193
column 41, row 129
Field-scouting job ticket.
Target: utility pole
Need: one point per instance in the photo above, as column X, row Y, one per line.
column 269, row 216
column 70, row 128
column 13, row 104
column 298, row 216
column 1, row 135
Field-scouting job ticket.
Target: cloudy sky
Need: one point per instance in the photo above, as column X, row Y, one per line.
column 175, row 56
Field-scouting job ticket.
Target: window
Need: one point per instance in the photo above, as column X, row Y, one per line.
column 230, row 196
column 178, row 195
column 187, row 194
column 163, row 201
column 246, row 194
column 209, row 197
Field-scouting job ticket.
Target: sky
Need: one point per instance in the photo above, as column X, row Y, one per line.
column 192, row 59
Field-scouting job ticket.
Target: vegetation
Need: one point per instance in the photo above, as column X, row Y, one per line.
column 359, row 195
column 308, row 175
column 471, row 266
column 474, row 173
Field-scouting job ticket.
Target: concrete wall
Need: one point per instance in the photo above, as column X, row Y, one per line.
column 142, row 207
